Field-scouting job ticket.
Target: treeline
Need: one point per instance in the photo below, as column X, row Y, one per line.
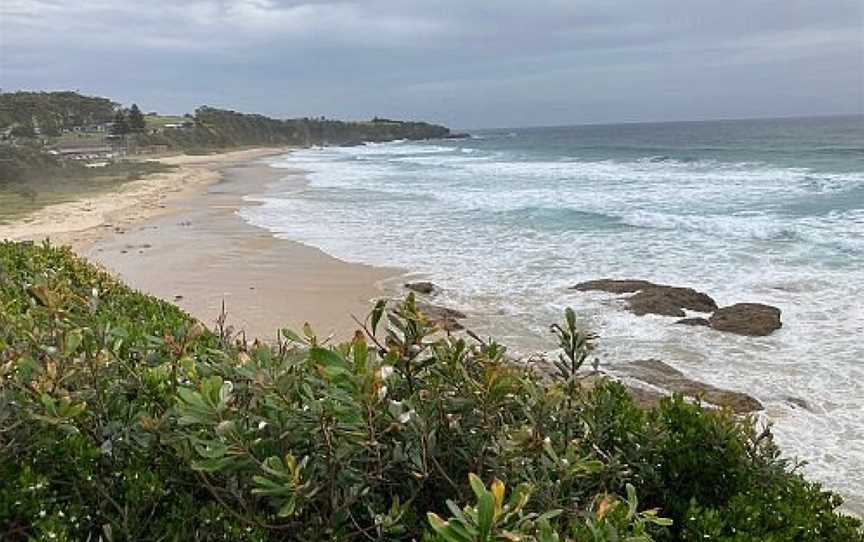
column 31, row 122
column 28, row 114
column 46, row 114
column 219, row 128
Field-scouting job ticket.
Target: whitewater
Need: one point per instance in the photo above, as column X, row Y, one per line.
column 746, row 211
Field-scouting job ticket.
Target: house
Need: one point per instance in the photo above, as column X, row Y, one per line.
column 101, row 128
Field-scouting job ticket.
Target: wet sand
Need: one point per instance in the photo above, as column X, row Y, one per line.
column 179, row 237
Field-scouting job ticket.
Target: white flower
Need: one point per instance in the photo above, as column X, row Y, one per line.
column 382, row 393
column 385, row 371
column 406, row 416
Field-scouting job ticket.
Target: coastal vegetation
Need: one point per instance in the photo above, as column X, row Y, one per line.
column 29, row 114
column 213, row 128
column 31, row 179
column 56, row 143
column 123, row 418
column 43, row 119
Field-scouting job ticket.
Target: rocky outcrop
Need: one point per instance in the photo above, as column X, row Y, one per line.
column 422, row 287
column 661, row 375
column 444, row 317
column 753, row 319
column 669, row 301
column 797, row 402
column 614, row 286
column 651, row 298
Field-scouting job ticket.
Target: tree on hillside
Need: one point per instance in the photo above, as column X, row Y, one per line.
column 136, row 120
column 121, row 125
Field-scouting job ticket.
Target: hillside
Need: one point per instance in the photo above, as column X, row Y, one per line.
column 28, row 114
column 122, row 418
column 51, row 135
column 219, row 128
column 50, row 115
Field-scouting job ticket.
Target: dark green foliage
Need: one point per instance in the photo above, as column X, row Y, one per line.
column 220, row 129
column 123, row 418
column 136, row 120
column 120, row 126
column 50, row 112
column 23, row 163
column 31, row 178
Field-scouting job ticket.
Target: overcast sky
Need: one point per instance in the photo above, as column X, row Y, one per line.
column 466, row 63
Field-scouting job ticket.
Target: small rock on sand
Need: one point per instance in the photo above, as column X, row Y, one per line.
column 422, row 287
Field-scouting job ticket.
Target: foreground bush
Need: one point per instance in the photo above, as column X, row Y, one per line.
column 122, row 418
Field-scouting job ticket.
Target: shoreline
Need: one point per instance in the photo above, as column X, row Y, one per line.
column 178, row 236
column 184, row 223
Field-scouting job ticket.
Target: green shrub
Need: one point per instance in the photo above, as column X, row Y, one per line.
column 121, row 417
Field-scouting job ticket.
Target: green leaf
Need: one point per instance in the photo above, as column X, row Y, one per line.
column 445, row 529
column 632, row 501
column 291, row 336
column 327, row 358
column 360, row 355
column 211, row 465
column 477, row 485
column 73, row 341
column 377, row 312
column 519, row 496
column 287, row 509
column 570, row 316
column 211, row 449
column 485, row 514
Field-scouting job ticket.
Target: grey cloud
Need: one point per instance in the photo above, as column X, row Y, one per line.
column 466, row 63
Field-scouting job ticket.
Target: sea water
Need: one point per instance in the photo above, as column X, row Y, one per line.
column 768, row 211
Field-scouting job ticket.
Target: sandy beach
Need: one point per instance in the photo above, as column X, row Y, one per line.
column 177, row 236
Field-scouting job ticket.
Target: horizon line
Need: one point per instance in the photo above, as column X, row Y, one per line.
column 680, row 121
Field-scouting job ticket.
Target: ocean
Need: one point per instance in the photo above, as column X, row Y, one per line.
column 768, row 211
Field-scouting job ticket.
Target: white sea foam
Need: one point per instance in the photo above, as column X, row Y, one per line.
column 507, row 235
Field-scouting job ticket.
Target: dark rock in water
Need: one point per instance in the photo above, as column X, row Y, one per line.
column 458, row 135
column 614, row 286
column 657, row 373
column 422, row 287
column 752, row 319
column 694, row 322
column 443, row 317
column 651, row 298
column 654, row 302
column 797, row 402
column 670, row 301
